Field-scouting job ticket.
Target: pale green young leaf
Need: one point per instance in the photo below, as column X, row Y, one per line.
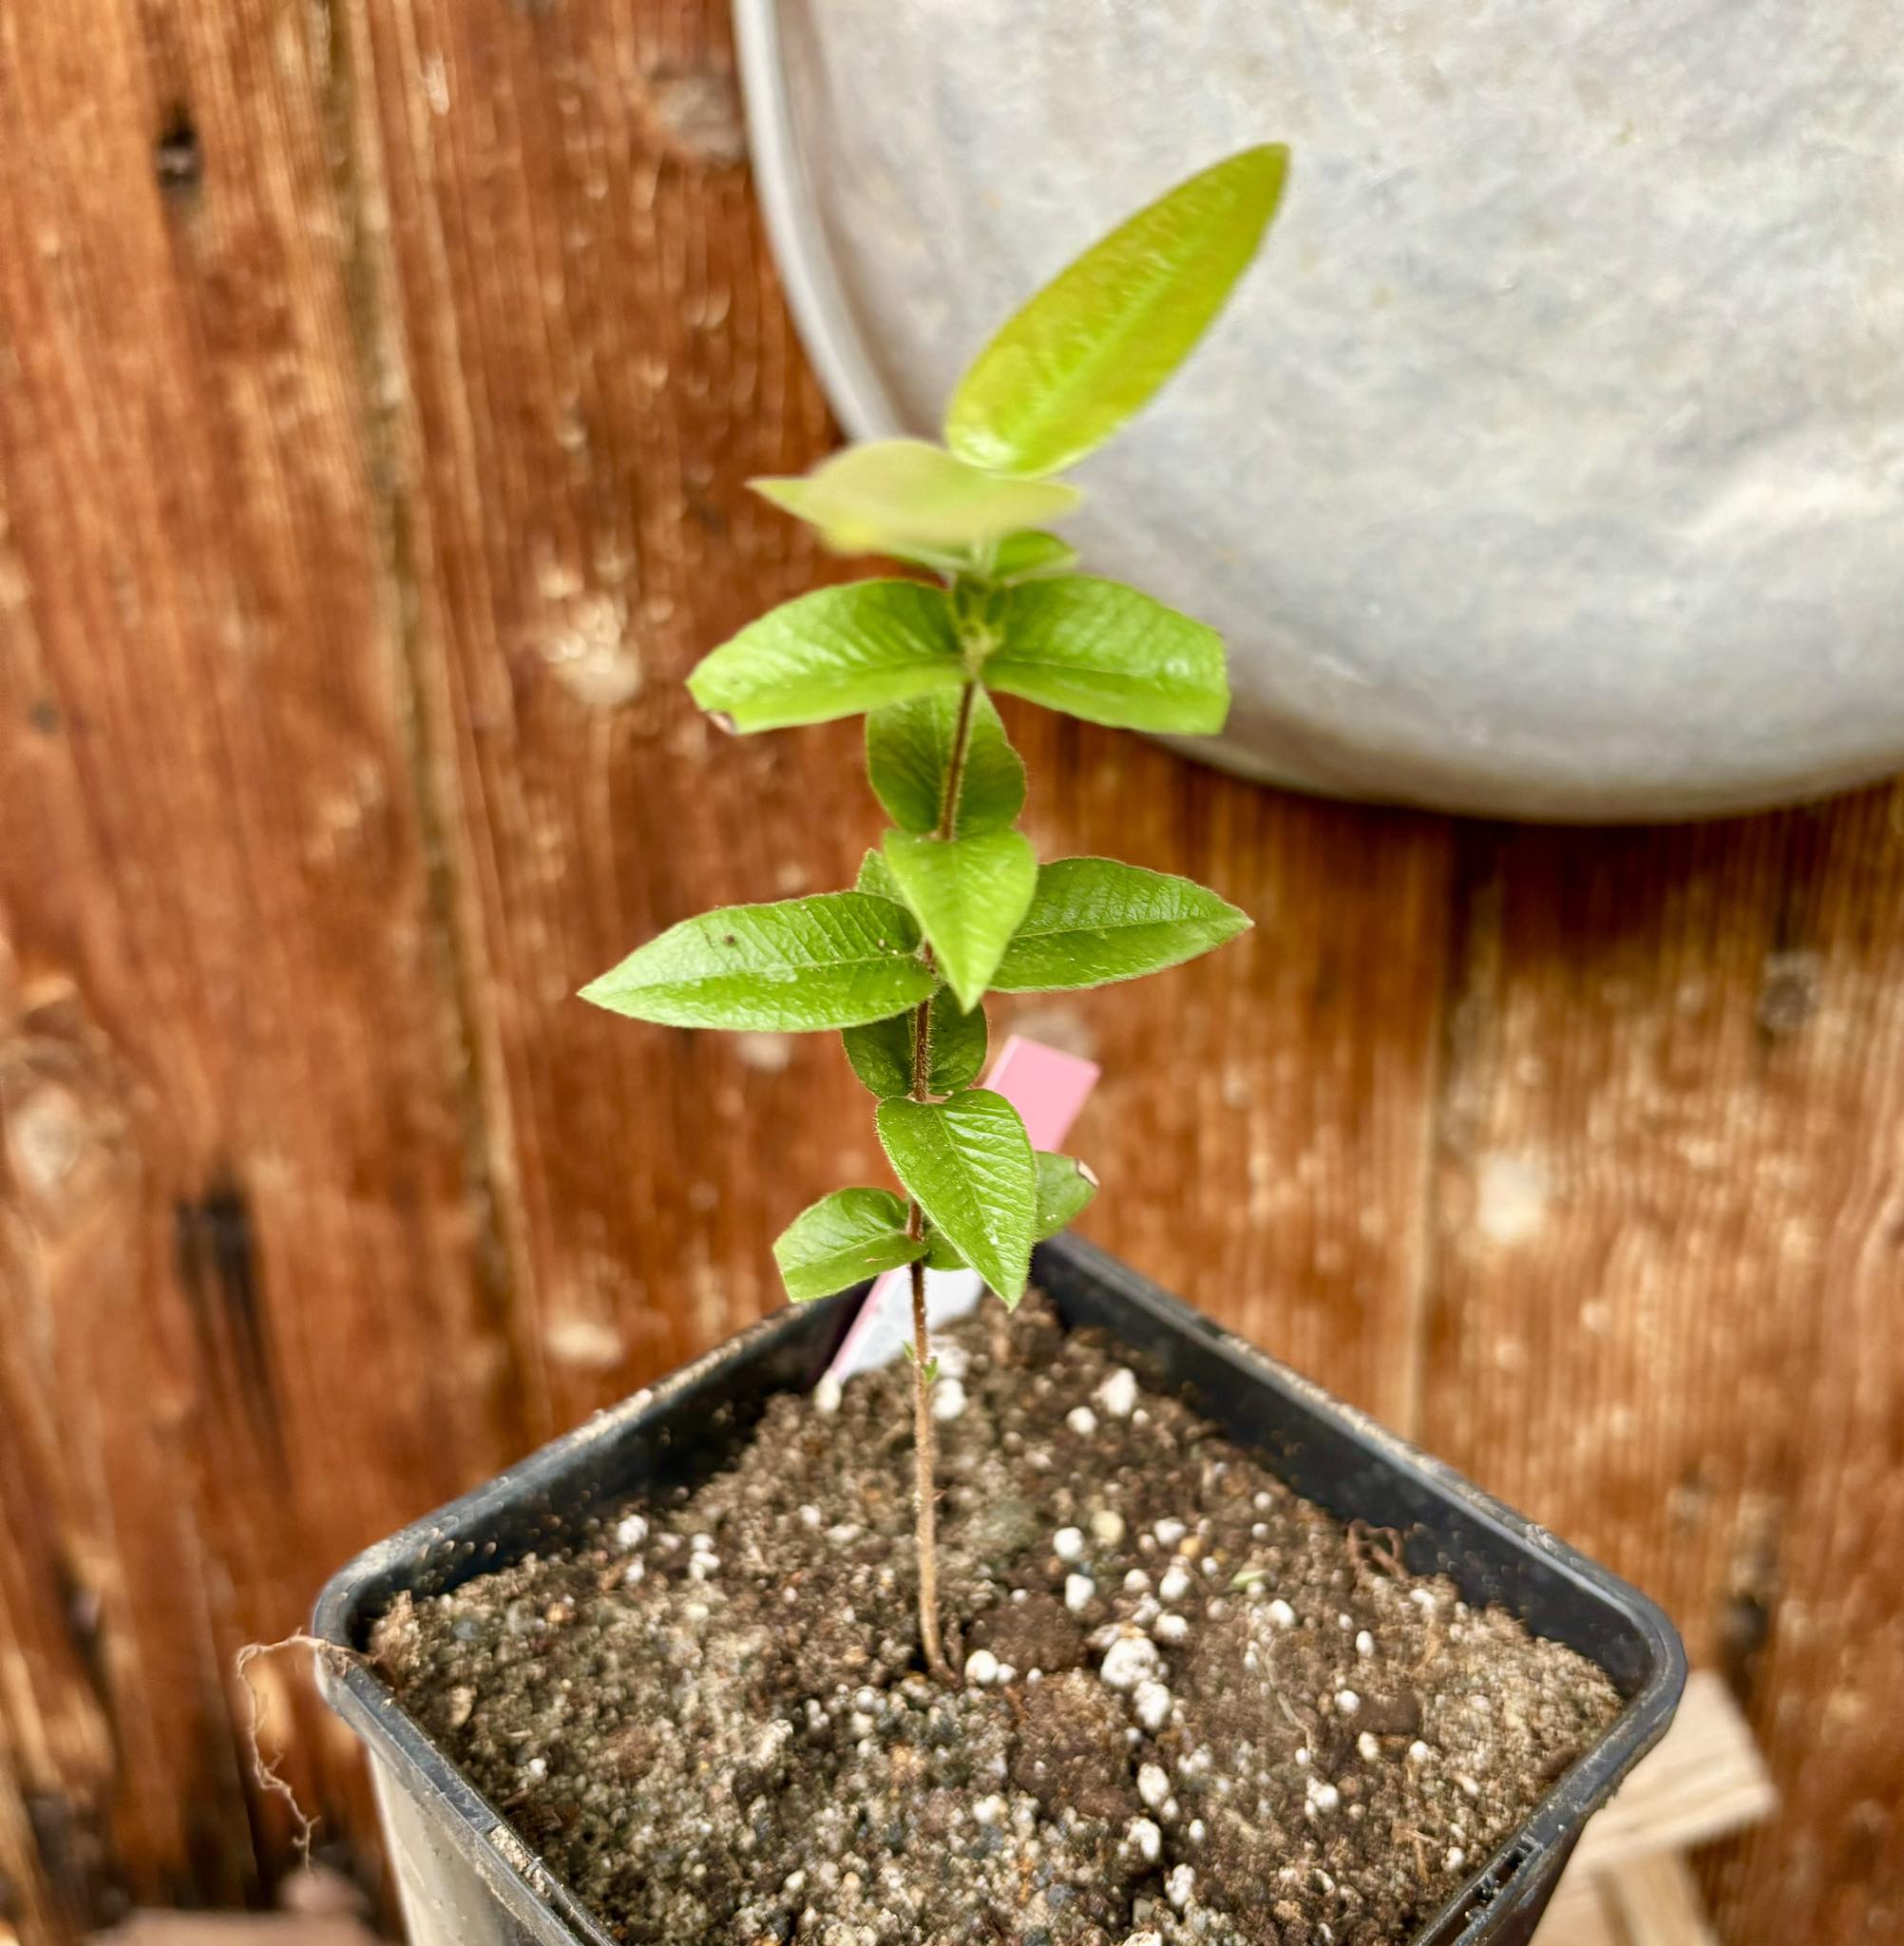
column 1107, row 652
column 1064, row 1187
column 842, row 1240
column 968, row 894
column 880, row 1052
column 909, row 748
column 833, row 652
column 830, row 960
column 1091, row 347
column 907, row 496
column 1024, row 557
column 968, row 1164
column 1093, row 920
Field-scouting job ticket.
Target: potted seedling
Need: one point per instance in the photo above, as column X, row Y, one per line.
column 1086, row 1623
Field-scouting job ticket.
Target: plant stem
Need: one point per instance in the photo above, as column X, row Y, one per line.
column 954, row 766
column 925, row 1457
column 925, row 1432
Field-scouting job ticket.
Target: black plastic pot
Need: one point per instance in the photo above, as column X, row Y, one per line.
column 467, row 1879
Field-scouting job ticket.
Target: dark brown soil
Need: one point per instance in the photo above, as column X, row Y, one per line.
column 1196, row 1709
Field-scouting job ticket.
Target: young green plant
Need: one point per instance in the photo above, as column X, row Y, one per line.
column 954, row 903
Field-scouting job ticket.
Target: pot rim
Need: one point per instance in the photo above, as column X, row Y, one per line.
column 538, row 1899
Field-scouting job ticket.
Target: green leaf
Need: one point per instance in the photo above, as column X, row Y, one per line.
column 875, row 878
column 969, row 895
column 902, row 496
column 843, row 1239
column 939, row 1255
column 1091, row 347
column 1104, row 652
column 909, row 746
column 959, row 1043
column 1064, row 1187
column 880, row 1052
column 1024, row 557
column 968, row 1164
column 1093, row 920
column 831, row 961
column 831, row 653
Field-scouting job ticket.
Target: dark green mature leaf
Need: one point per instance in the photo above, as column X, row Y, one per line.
column 1091, row 347
column 1093, row 920
column 831, row 961
column 905, row 496
column 1064, row 1187
column 833, row 652
column 880, row 1052
column 1024, row 557
column 939, row 1255
column 843, row 1239
column 967, row 1162
column 1107, row 652
column 969, row 895
column 909, row 746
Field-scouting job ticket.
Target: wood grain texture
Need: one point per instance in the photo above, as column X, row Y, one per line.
column 1665, row 1313
column 234, row 1089
column 378, row 384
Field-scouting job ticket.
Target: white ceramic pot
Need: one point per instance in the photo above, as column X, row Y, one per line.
column 1552, row 460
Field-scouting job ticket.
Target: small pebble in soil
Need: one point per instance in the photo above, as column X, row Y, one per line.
column 1068, row 1544
column 1117, row 1395
column 1151, row 1703
column 1080, row 1418
column 1130, row 1660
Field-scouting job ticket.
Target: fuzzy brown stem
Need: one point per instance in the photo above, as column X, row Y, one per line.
column 954, row 766
column 926, row 1435
column 925, row 1459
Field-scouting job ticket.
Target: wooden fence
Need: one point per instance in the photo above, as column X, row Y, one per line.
column 377, row 383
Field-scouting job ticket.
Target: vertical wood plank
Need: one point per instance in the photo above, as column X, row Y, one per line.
column 1667, row 1310
column 231, row 1068
column 1264, row 1126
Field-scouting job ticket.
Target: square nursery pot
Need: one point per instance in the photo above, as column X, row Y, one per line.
column 467, row 1879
